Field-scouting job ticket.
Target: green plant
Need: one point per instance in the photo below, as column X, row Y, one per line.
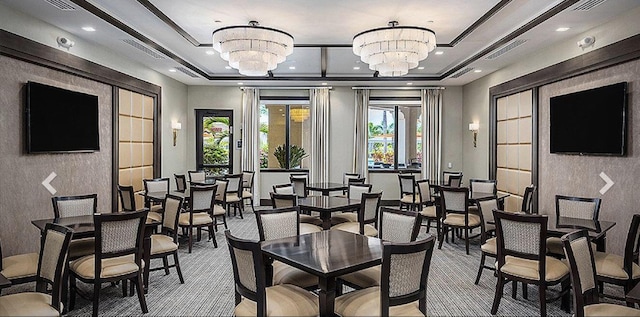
column 296, row 154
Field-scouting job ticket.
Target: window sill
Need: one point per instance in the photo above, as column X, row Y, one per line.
column 283, row 170
column 391, row 170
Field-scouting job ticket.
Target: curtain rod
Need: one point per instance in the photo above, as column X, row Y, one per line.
column 285, row 88
column 397, row 88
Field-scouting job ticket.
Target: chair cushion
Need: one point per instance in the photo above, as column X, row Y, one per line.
column 409, row 199
column 366, row 302
column 282, row 300
column 490, row 246
column 19, row 266
column 458, row 220
column 27, row 304
column 122, row 265
column 555, row 269
column 610, row 310
column 309, row 228
column 364, row 278
column 232, row 198
column 156, row 208
column 611, row 265
column 310, row 219
column 81, row 247
column 429, row 211
column 344, row 217
column 200, row 218
column 154, row 215
column 246, row 194
column 218, row 210
column 287, row 274
column 161, row 243
column 354, row 227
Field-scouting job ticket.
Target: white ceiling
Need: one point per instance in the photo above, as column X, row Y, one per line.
column 180, row 32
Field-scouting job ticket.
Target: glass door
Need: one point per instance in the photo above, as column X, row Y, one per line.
column 214, row 141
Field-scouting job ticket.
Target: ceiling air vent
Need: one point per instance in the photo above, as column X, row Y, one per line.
column 62, row 5
column 587, row 5
column 503, row 50
column 143, row 48
column 462, row 72
column 187, row 72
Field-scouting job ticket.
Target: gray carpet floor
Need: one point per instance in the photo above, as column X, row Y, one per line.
column 209, row 285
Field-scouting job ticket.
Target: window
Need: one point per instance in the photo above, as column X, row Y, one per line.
column 214, row 138
column 285, row 134
column 395, row 136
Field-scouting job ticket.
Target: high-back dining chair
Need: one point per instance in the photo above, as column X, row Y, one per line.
column 367, row 216
column 220, row 203
column 446, row 177
column 283, row 189
column 69, row 206
column 283, row 200
column 156, row 185
column 487, row 234
column 181, row 182
column 252, row 296
column 127, row 199
column 572, row 207
column 399, row 293
column 354, row 191
column 234, row 194
column 527, row 200
column 118, row 255
column 455, row 180
column 427, row 207
column 584, row 281
column 247, row 187
column 348, row 176
column 299, row 186
column 197, row 176
column 484, row 186
column 454, row 202
column 165, row 243
column 51, row 260
column 408, row 195
column 200, row 213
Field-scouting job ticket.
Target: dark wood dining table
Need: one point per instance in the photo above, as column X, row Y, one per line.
column 83, row 227
column 327, row 187
column 327, row 254
column 326, row 205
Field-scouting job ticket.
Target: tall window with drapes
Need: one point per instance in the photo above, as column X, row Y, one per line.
column 319, row 151
column 250, row 135
column 431, row 105
column 361, row 135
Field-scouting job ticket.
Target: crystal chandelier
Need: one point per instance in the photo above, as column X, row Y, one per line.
column 299, row 114
column 393, row 50
column 253, row 50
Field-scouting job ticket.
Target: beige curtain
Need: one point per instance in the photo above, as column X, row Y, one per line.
column 431, row 106
column 250, row 137
column 361, row 135
column 319, row 150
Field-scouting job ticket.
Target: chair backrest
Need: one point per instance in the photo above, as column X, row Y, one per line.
column 483, row 186
column 197, row 176
column 181, row 182
column 171, row 206
column 299, row 186
column 202, row 199
column 347, row 176
column 235, row 183
column 283, row 200
column 278, row 223
column 304, row 175
column 398, row 226
column 527, row 199
column 355, row 181
column 247, row 179
column 454, row 200
column 486, row 208
column 523, row 236
column 69, row 206
column 631, row 246
column 54, row 248
column 118, row 234
column 446, row 177
column 407, row 184
column 156, row 185
column 577, row 207
column 369, row 207
column 424, row 191
column 221, row 191
column 582, row 268
column 248, row 271
column 127, row 201
column 283, row 189
column 400, row 266
column 455, row 180
column 356, row 190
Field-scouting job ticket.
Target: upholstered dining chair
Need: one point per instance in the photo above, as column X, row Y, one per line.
column 580, row 255
column 573, row 207
column 19, row 268
column 403, row 283
column 521, row 255
column 354, row 191
column 484, row 186
column 69, row 206
column 220, row 206
column 127, row 199
column 49, row 275
column 253, row 297
column 454, row 202
column 446, row 177
column 181, row 182
column 455, row 180
column 621, row 270
column 165, row 243
column 156, row 185
column 300, row 186
column 427, row 207
column 408, row 197
column 367, row 216
column 488, row 245
column 117, row 257
column 199, row 214
column 527, row 200
column 283, row 189
column 197, row 176
column 282, row 223
column 247, row 187
column 308, row 222
column 234, row 194
column 396, row 226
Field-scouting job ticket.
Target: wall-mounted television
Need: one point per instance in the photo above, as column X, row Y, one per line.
column 60, row 120
column 590, row 122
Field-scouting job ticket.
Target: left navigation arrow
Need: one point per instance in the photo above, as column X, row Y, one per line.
column 47, row 183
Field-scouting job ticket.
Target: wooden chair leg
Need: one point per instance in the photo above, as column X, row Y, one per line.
column 177, row 264
column 543, row 299
column 482, row 258
column 72, row 292
column 525, row 290
column 466, row 239
column 96, row 297
column 190, row 239
column 498, row 295
column 165, row 263
column 240, row 209
column 124, row 288
column 444, row 231
column 140, row 290
column 224, row 220
column 514, row 289
column 213, row 237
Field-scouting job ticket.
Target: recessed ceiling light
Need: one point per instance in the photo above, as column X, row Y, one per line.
column 227, row 67
column 292, row 67
column 562, row 29
column 88, row 28
column 409, row 84
column 439, row 52
column 324, row 84
column 173, row 70
column 421, row 67
column 210, row 52
column 356, row 67
column 217, row 21
column 240, row 83
column 478, row 71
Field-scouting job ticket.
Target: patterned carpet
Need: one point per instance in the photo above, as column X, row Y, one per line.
column 208, row 288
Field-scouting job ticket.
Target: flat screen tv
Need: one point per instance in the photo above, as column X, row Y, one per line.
column 590, row 122
column 60, row 120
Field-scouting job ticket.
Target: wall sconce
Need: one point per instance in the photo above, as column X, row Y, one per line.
column 175, row 126
column 474, row 127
